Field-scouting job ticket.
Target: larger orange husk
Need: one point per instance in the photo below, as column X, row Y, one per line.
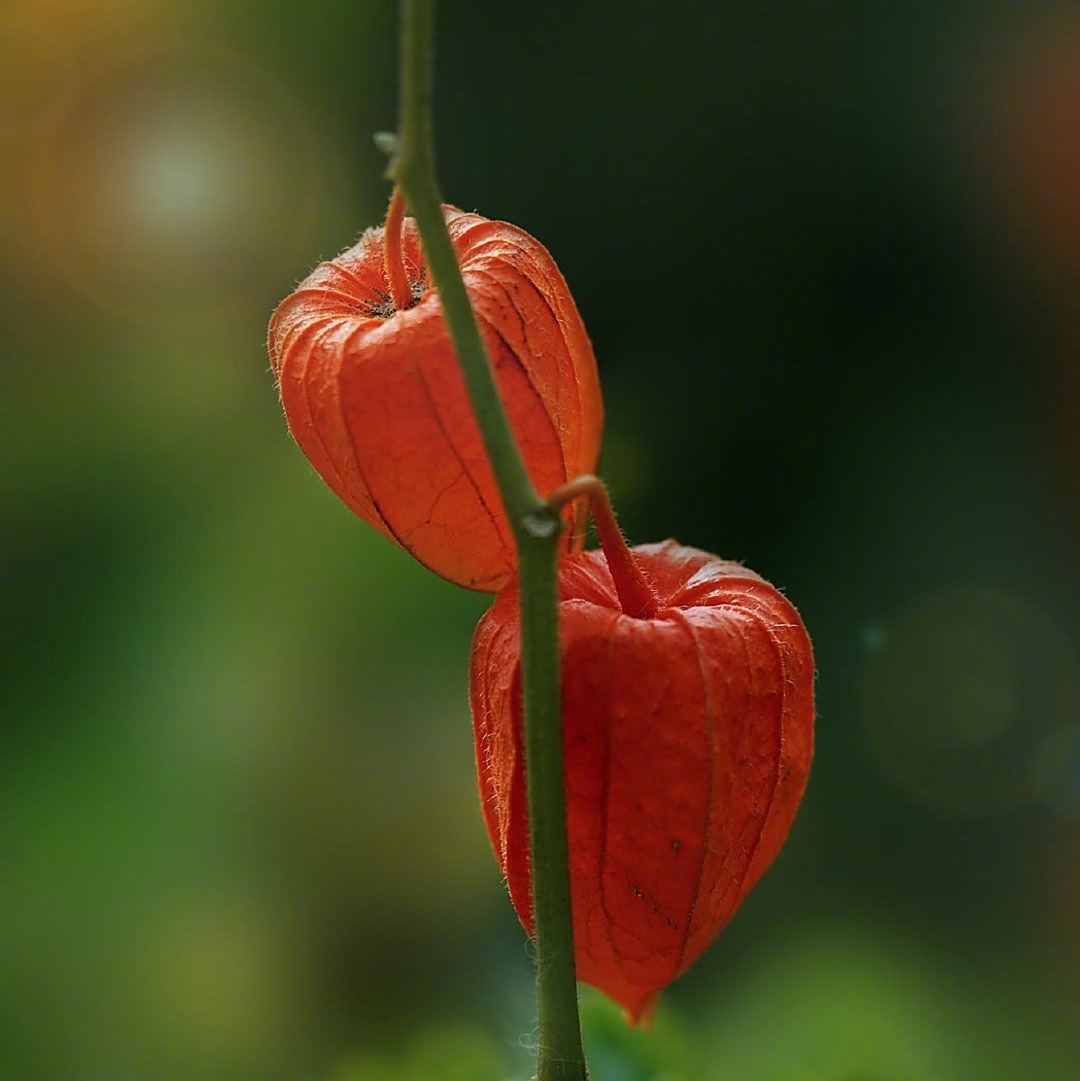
column 687, row 743
column 375, row 397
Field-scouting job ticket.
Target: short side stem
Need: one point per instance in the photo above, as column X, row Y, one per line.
column 635, row 594
column 393, row 256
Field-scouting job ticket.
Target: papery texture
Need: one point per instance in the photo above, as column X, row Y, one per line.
column 376, row 400
column 687, row 742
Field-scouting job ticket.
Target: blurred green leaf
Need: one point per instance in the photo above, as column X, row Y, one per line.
column 444, row 1054
column 618, row 1051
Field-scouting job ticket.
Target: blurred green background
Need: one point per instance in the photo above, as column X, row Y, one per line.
column 829, row 256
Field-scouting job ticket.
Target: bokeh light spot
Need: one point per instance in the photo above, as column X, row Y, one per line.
column 961, row 693
column 176, row 182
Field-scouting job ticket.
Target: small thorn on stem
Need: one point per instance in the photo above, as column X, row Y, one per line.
column 393, row 257
column 635, row 594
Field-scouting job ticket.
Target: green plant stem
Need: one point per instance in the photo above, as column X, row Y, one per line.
column 536, row 528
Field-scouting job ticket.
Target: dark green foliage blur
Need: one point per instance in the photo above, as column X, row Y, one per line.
column 829, row 256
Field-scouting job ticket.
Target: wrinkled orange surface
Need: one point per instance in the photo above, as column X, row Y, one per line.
column 687, row 743
column 375, row 397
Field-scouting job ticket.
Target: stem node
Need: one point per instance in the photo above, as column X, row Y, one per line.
column 543, row 523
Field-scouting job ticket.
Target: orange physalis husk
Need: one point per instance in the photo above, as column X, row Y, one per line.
column 687, row 732
column 375, row 398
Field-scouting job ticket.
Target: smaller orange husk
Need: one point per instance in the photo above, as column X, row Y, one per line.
column 375, row 398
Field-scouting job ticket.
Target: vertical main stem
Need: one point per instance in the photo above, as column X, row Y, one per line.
column 536, row 527
column 561, row 1056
